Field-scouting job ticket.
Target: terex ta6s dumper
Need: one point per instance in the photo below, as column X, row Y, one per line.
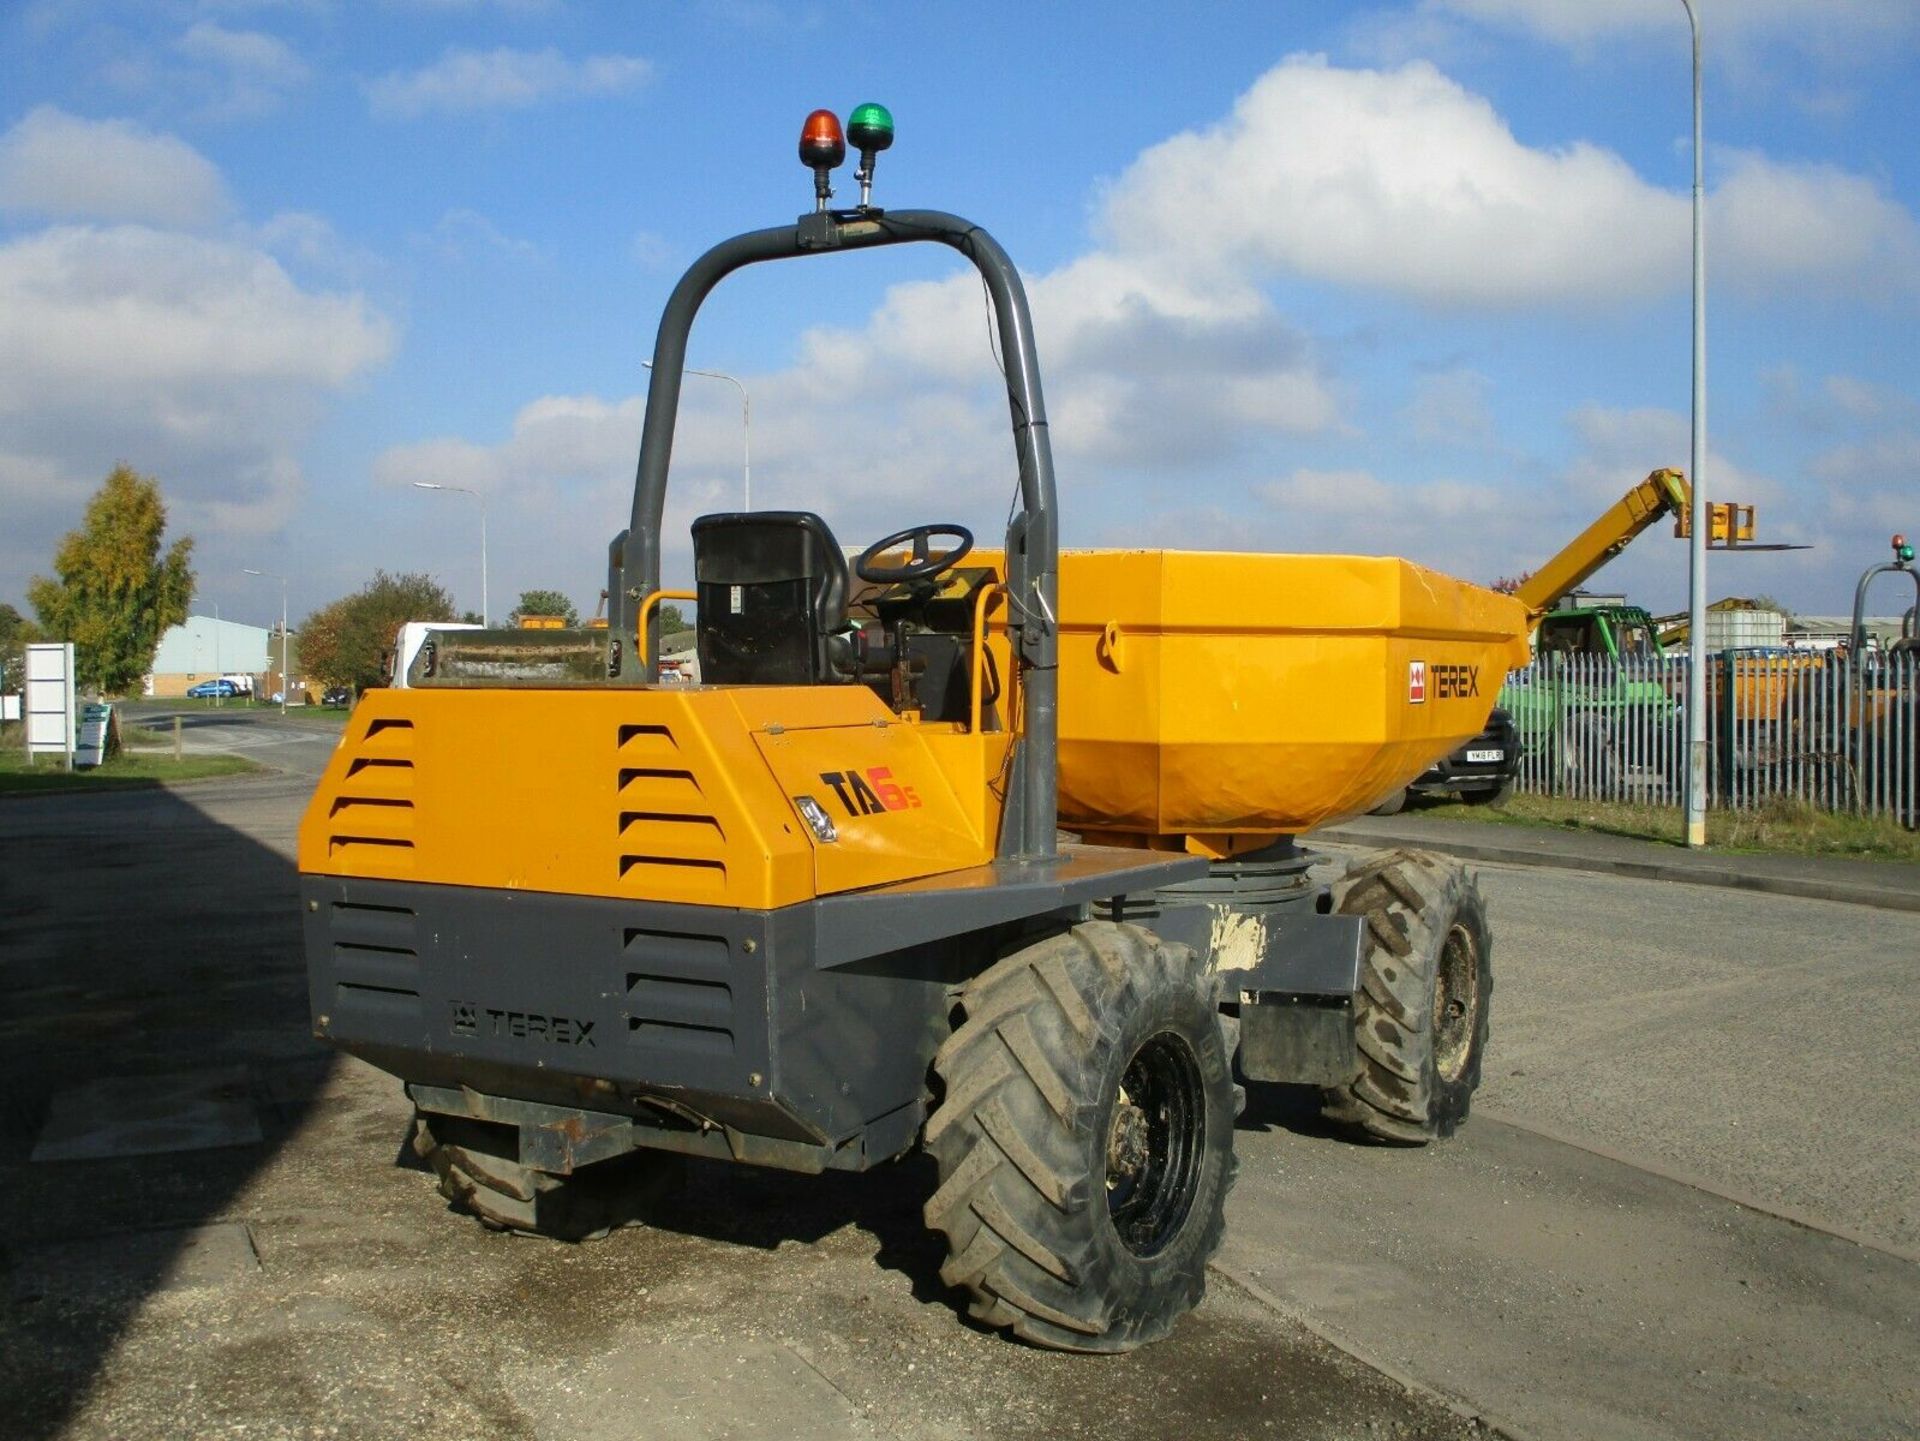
column 817, row 910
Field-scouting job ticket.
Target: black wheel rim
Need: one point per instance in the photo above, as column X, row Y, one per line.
column 1456, row 1002
column 1156, row 1141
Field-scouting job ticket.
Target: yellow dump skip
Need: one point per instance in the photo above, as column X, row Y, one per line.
column 1210, row 693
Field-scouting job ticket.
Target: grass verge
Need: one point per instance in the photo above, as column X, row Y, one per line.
column 126, row 770
column 1781, row 827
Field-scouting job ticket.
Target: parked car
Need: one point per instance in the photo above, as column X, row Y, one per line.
column 211, row 689
column 1481, row 772
column 336, row 695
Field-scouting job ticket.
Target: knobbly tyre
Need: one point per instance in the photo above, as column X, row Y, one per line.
column 817, row 910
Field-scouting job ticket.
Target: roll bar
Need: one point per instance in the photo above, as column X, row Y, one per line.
column 1032, row 546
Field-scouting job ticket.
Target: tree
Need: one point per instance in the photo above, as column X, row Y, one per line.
column 348, row 642
column 16, row 634
column 1509, row 584
column 672, row 622
column 114, row 593
column 544, row 602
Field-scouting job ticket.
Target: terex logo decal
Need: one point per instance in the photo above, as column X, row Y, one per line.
column 473, row 1020
column 1450, row 682
column 871, row 791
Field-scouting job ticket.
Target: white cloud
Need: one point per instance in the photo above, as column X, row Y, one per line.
column 1772, row 223
column 1405, row 182
column 131, row 306
column 1574, row 22
column 249, row 70
column 465, row 81
column 1399, row 180
column 461, row 234
column 61, row 166
column 198, row 360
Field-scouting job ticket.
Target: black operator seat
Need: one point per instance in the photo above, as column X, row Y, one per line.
column 772, row 588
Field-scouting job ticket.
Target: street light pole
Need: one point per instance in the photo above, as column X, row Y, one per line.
column 286, row 680
column 746, row 430
column 1697, row 545
column 461, row 489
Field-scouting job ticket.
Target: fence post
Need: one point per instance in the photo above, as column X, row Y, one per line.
column 1558, row 735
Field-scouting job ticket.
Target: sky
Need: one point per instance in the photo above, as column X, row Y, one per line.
column 1403, row 279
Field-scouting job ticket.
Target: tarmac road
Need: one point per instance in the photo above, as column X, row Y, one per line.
column 302, row 1279
column 1737, row 1041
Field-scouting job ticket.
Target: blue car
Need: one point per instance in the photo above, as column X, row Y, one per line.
column 209, row 689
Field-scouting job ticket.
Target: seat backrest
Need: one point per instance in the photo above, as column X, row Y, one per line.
column 773, row 587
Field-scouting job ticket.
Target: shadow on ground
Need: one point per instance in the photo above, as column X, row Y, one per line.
column 154, row 1054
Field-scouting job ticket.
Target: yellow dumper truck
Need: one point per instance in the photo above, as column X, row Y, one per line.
column 990, row 852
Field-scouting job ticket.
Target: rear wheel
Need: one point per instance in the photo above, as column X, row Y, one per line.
column 1085, row 1139
column 1420, row 1017
column 479, row 1171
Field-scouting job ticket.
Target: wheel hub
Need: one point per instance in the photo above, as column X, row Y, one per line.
column 1456, row 1000
column 1126, row 1142
column 1156, row 1144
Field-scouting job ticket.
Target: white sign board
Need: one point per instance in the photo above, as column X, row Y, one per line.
column 94, row 720
column 50, row 699
column 9, row 707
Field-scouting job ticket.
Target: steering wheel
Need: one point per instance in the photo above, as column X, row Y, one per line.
column 923, row 565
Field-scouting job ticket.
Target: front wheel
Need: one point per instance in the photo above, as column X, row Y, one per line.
column 1420, row 1017
column 1085, row 1139
column 1497, row 797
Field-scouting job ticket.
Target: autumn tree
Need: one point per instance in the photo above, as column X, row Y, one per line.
column 113, row 593
column 16, row 634
column 347, row 642
column 544, row 602
column 1510, row 584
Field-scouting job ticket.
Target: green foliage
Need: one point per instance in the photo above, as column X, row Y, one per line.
column 16, row 634
column 113, row 593
column 672, row 621
column 544, row 602
column 347, row 642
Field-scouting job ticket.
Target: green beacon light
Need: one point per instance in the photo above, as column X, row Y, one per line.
column 1902, row 552
column 870, row 128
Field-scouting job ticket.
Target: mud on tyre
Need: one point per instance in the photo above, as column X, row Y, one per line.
column 1420, row 1017
column 1084, row 1139
column 479, row 1172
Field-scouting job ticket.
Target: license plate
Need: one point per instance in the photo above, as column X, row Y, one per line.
column 1483, row 757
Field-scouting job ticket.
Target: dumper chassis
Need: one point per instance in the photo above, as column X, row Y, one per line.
column 818, row 911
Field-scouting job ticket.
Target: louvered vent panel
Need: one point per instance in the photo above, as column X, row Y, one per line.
column 376, row 960
column 670, row 841
column 370, row 824
column 679, row 992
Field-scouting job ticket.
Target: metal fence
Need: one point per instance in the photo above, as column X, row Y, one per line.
column 1815, row 726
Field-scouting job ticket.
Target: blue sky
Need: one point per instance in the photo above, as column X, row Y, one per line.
column 1398, row 278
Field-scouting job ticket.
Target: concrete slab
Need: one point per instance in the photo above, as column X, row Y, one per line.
column 150, row 1115
column 1565, row 1295
column 698, row 1390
